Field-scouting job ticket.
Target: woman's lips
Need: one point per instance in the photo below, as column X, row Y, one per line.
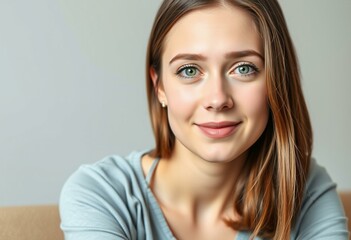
column 218, row 130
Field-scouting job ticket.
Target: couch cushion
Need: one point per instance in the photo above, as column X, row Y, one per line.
column 30, row 222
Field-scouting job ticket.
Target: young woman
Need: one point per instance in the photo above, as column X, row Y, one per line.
column 233, row 139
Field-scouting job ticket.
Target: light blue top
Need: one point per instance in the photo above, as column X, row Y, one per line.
column 111, row 199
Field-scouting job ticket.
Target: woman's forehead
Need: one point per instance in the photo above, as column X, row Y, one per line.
column 213, row 30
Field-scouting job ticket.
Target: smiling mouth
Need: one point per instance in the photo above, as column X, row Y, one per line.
column 218, row 130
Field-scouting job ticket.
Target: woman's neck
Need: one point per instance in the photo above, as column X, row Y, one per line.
column 192, row 186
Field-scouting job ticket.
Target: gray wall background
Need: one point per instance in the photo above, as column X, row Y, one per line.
column 72, row 87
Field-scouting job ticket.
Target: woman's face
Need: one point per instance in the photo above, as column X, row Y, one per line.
column 213, row 82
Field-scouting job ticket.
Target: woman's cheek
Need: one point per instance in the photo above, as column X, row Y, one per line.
column 253, row 101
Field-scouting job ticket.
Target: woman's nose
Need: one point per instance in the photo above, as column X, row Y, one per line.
column 217, row 95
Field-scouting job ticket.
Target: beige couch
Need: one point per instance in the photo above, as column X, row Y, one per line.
column 30, row 223
column 43, row 222
column 346, row 201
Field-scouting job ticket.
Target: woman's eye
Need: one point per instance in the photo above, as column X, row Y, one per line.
column 188, row 72
column 245, row 69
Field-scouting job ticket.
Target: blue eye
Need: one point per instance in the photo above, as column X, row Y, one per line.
column 245, row 69
column 188, row 72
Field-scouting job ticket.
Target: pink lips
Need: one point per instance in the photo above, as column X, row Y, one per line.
column 218, row 130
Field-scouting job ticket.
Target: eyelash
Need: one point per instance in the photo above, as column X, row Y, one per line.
column 254, row 70
column 187, row 66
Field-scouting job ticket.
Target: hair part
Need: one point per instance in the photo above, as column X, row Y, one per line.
column 269, row 191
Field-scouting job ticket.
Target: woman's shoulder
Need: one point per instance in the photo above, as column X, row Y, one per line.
column 318, row 180
column 97, row 195
column 321, row 214
column 112, row 173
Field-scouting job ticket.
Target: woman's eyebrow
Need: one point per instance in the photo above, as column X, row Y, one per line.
column 230, row 55
column 245, row 53
column 188, row 56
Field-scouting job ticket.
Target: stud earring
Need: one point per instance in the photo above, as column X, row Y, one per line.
column 163, row 104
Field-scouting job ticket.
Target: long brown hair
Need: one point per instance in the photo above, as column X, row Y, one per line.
column 269, row 191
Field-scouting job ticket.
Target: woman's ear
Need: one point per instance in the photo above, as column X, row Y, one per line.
column 153, row 76
column 158, row 86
